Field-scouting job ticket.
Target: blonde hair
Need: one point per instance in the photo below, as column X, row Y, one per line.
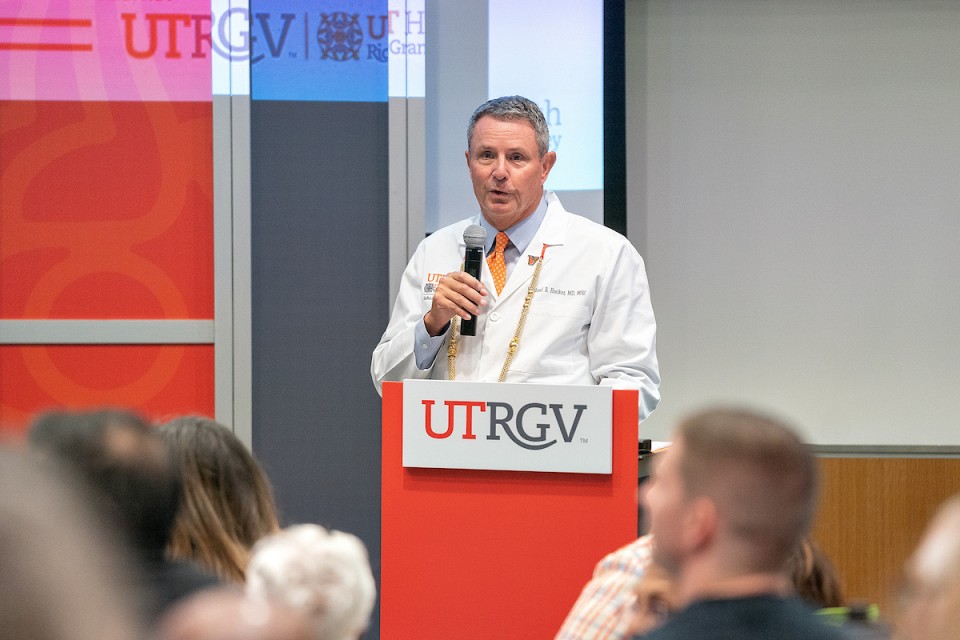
column 227, row 502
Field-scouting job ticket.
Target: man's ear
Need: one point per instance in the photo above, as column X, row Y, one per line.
column 700, row 524
column 546, row 164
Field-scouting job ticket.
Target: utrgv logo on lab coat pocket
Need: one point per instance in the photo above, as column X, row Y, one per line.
column 430, row 286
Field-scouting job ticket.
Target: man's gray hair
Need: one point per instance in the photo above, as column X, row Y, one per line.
column 514, row 108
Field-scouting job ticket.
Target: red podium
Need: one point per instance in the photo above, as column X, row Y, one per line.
column 496, row 554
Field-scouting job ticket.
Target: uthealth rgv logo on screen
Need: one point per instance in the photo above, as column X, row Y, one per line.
column 533, row 426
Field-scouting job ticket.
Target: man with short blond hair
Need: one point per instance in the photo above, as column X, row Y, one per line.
column 728, row 502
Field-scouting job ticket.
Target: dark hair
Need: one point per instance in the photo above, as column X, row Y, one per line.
column 129, row 469
column 514, row 108
column 227, row 502
column 813, row 576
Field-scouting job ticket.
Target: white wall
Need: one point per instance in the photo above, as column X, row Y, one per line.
column 797, row 198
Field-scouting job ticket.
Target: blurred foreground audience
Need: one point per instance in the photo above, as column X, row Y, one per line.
column 630, row 594
column 814, row 579
column 227, row 503
column 61, row 575
column 728, row 503
column 608, row 603
column 325, row 575
column 135, row 483
column 227, row 614
column 655, row 600
column 930, row 607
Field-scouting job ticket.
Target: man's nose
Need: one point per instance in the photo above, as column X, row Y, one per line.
column 500, row 169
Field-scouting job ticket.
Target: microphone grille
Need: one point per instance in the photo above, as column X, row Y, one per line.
column 474, row 236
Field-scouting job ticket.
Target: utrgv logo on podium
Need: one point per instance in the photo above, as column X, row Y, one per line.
column 502, row 416
column 521, row 427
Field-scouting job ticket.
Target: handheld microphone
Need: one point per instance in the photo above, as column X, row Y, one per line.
column 474, row 237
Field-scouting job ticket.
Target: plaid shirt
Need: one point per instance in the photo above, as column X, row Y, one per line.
column 605, row 606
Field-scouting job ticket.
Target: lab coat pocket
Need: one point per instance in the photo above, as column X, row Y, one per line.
column 553, row 340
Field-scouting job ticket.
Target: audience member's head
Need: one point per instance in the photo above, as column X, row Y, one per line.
column 323, row 574
column 130, row 470
column 60, row 576
column 135, row 482
column 814, row 579
column 931, row 601
column 227, row 614
column 731, row 498
column 227, row 503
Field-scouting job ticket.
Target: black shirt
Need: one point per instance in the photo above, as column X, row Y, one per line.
column 745, row 619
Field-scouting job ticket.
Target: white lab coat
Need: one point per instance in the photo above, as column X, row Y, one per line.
column 590, row 322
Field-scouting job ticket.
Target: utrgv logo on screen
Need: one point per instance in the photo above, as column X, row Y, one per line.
column 534, row 426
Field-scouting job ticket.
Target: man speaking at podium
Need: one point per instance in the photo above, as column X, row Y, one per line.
column 559, row 299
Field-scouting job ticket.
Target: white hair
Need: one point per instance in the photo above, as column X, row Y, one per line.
column 323, row 574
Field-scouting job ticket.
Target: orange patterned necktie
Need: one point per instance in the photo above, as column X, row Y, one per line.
column 496, row 263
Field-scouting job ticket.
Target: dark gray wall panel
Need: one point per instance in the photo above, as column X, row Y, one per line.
column 319, row 256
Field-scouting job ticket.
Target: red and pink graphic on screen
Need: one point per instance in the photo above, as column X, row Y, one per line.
column 106, row 199
column 108, row 50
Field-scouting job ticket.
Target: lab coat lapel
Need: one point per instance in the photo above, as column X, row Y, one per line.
column 552, row 233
